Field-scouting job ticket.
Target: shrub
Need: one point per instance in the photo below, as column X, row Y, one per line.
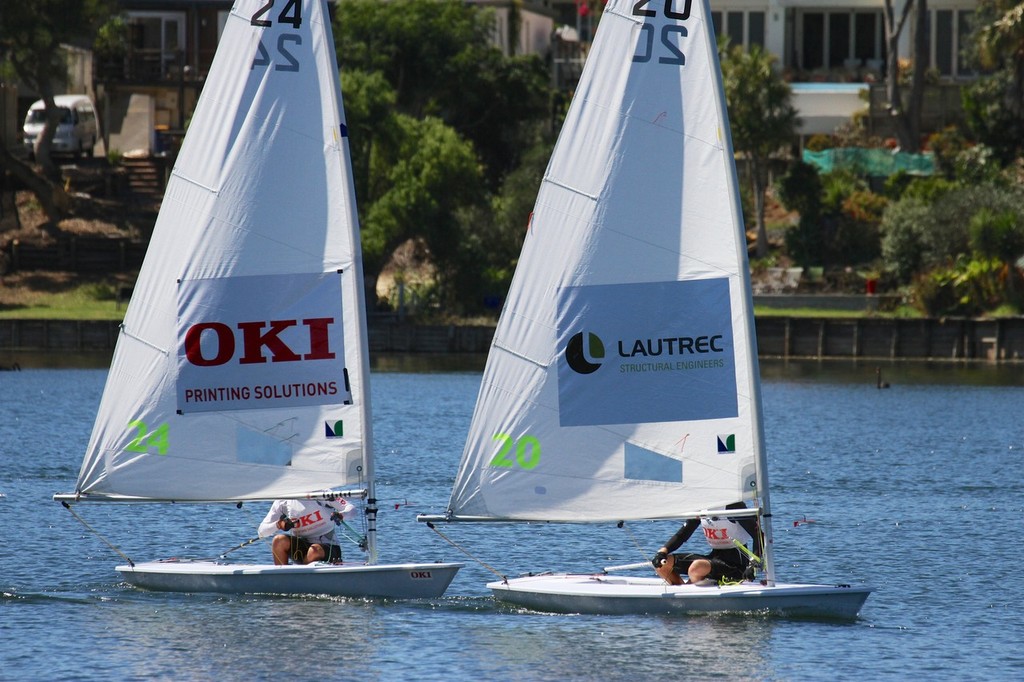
column 902, row 227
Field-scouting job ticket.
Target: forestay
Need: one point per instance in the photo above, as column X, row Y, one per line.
column 240, row 371
column 622, row 380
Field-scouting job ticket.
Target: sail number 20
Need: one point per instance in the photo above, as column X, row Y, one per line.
column 524, row 452
column 670, row 33
column 291, row 14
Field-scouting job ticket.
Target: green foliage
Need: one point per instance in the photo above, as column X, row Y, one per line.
column 373, row 132
column 865, row 206
column 800, row 190
column 431, row 176
column 994, row 103
column 931, row 225
column 100, row 291
column 441, row 126
column 112, row 37
column 761, row 115
column 929, row 190
column 762, row 118
column 31, row 34
column 997, row 236
column 902, row 227
column 839, row 217
column 946, row 145
column 438, row 59
column 819, row 143
column 971, row 287
column 837, row 186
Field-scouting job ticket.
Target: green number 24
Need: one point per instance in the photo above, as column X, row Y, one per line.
column 146, row 439
column 527, row 452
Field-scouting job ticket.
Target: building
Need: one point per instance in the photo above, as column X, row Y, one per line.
column 831, row 50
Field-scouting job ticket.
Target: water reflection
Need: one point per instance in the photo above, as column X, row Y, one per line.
column 867, row 372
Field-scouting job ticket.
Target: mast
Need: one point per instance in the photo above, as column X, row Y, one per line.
column 746, row 301
column 362, row 396
column 366, row 425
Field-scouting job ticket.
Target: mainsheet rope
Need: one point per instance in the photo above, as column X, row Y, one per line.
column 466, row 552
column 97, row 533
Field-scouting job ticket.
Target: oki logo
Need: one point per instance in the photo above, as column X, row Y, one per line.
column 260, row 341
column 716, row 533
column 420, row 574
column 309, row 519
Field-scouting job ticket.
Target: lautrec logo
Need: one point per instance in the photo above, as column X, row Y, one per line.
column 582, row 356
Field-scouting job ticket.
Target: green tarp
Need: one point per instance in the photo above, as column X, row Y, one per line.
column 874, row 162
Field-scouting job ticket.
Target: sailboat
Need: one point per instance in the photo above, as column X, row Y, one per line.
column 622, row 382
column 241, row 371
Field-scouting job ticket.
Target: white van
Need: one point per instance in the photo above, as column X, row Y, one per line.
column 77, row 132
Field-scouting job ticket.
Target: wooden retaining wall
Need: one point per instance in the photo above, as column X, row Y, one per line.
column 78, row 254
column 783, row 337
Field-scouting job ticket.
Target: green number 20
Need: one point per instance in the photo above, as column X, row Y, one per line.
column 527, row 452
column 146, row 439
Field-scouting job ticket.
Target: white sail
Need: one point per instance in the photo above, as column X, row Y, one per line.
column 622, row 381
column 241, row 368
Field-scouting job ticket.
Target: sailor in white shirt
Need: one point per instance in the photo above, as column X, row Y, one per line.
column 309, row 529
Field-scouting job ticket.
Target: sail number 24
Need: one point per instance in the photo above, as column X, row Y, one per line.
column 291, row 14
column 524, row 452
column 146, row 439
column 670, row 33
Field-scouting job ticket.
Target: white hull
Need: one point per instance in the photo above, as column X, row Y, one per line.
column 604, row 594
column 397, row 581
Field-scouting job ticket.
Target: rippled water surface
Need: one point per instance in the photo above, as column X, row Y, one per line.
column 917, row 490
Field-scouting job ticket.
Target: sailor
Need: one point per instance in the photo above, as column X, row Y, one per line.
column 308, row 527
column 725, row 562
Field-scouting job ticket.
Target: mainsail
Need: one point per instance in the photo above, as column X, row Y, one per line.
column 241, row 367
column 622, row 382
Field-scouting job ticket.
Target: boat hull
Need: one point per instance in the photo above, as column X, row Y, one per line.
column 603, row 594
column 397, row 581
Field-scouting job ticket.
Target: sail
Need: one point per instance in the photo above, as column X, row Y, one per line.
column 241, row 367
column 622, row 380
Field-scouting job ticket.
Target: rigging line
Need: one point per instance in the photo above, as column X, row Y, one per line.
column 244, row 544
column 466, row 552
column 251, row 519
column 353, row 535
column 109, row 544
column 622, row 524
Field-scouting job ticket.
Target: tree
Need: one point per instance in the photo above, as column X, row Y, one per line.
column 431, row 173
column 800, row 190
column 1000, row 237
column 439, row 60
column 906, row 119
column 31, row 35
column 994, row 104
column 762, row 119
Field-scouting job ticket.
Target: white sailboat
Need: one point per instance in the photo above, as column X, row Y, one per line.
column 622, row 382
column 241, row 371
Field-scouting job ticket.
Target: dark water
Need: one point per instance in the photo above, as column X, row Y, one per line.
column 917, row 490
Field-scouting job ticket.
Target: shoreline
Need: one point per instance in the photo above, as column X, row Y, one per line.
column 989, row 341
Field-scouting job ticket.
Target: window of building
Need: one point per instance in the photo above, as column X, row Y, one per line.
column 742, row 28
column 948, row 33
column 841, row 39
column 157, row 41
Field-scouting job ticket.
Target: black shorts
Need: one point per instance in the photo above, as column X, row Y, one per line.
column 725, row 563
column 300, row 546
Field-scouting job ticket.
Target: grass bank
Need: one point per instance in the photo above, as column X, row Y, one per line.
column 60, row 296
